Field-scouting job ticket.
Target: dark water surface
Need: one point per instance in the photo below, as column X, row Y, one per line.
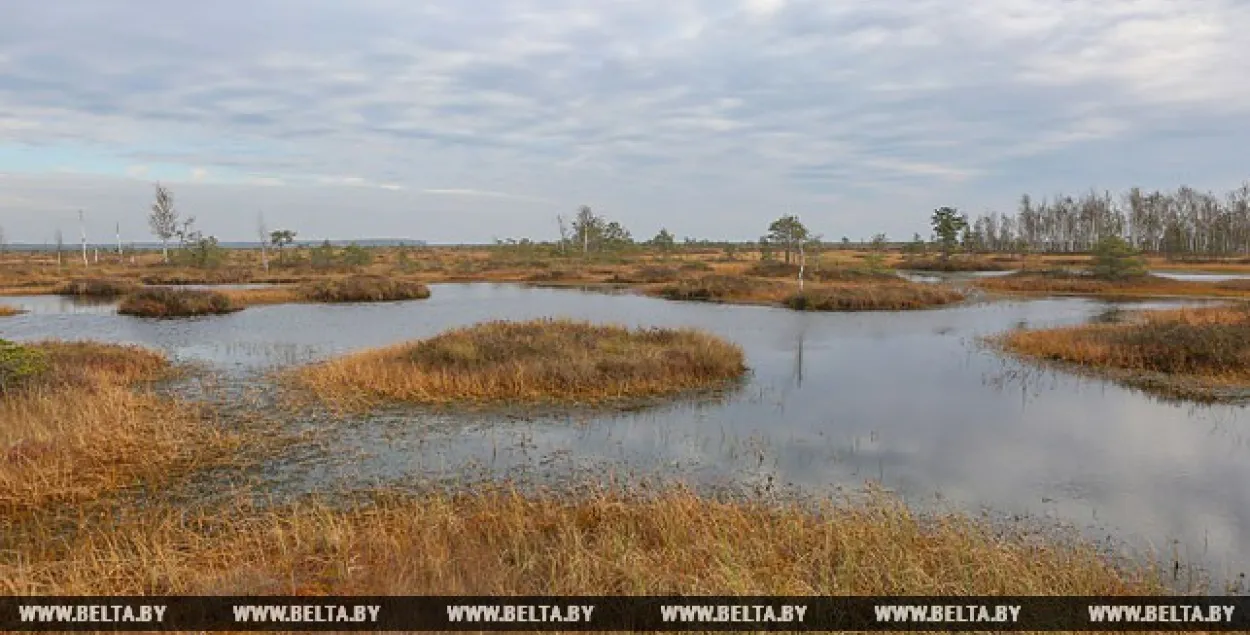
column 908, row 399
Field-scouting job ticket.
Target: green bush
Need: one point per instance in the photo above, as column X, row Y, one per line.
column 19, row 364
column 1115, row 259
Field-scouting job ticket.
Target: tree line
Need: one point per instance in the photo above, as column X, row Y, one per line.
column 1181, row 223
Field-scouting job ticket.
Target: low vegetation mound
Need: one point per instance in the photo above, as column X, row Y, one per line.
column 9, row 311
column 610, row 543
column 164, row 302
column 1209, row 346
column 364, row 288
column 97, row 287
column 723, row 288
column 541, row 361
column 878, row 297
column 1075, row 282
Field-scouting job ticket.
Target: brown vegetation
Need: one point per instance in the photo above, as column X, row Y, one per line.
column 97, row 287
column 500, row 543
column 1205, row 347
column 541, row 361
column 166, row 302
column 73, row 428
column 954, row 264
column 364, row 289
column 1064, row 282
column 7, row 310
column 877, row 297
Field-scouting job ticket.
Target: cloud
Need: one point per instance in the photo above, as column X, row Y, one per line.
column 641, row 108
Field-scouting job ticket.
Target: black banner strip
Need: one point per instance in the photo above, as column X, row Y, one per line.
column 668, row 613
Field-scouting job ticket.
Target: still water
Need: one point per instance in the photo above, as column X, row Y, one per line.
column 906, row 399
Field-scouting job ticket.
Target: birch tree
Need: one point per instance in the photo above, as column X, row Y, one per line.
column 164, row 218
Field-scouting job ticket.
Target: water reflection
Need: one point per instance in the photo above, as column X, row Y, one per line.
column 834, row 400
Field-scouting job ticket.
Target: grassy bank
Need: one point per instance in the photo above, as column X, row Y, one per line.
column 852, row 291
column 1063, row 282
column 363, row 289
column 499, row 543
column 97, row 287
column 167, row 302
column 73, row 425
column 956, row 264
column 542, row 361
column 1201, row 353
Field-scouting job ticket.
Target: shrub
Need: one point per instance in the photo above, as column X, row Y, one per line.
column 1115, row 259
column 163, row 302
column 19, row 364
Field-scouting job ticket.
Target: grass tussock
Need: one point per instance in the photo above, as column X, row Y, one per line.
column 364, row 288
column 541, row 361
column 73, row 427
column 501, row 543
column 1210, row 345
column 97, row 287
column 880, row 297
column 165, row 302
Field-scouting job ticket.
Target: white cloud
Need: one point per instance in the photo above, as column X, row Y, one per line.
column 642, row 107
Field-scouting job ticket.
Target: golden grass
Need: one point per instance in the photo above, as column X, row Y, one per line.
column 854, row 290
column 541, row 361
column 873, row 297
column 97, row 287
column 262, row 296
column 501, row 543
column 166, row 302
column 79, row 429
column 7, row 310
column 954, row 264
column 1210, row 346
column 1064, row 283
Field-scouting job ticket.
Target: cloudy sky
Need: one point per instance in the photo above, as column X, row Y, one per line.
column 469, row 120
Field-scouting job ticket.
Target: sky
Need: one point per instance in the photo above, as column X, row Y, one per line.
column 470, row 121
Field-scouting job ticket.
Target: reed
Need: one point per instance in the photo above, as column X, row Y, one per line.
column 541, row 361
column 166, row 302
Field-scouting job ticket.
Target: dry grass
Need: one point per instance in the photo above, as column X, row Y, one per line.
column 1209, row 345
column 7, row 310
column 499, row 543
column 264, row 296
column 873, row 297
column 165, row 302
column 1060, row 282
column 954, row 264
column 857, row 291
column 541, row 361
column 78, row 429
column 364, row 289
column 97, row 287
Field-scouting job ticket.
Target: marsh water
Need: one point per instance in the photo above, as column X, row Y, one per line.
column 909, row 400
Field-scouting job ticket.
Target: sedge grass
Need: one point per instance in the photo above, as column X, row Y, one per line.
column 504, row 543
column 364, row 288
column 97, row 287
column 167, row 302
column 540, row 361
column 1200, row 349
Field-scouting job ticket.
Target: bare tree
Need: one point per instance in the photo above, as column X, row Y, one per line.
column 564, row 233
column 82, row 229
column 164, row 218
column 60, row 245
column 262, row 232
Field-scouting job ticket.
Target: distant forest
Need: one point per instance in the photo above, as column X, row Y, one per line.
column 1182, row 223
